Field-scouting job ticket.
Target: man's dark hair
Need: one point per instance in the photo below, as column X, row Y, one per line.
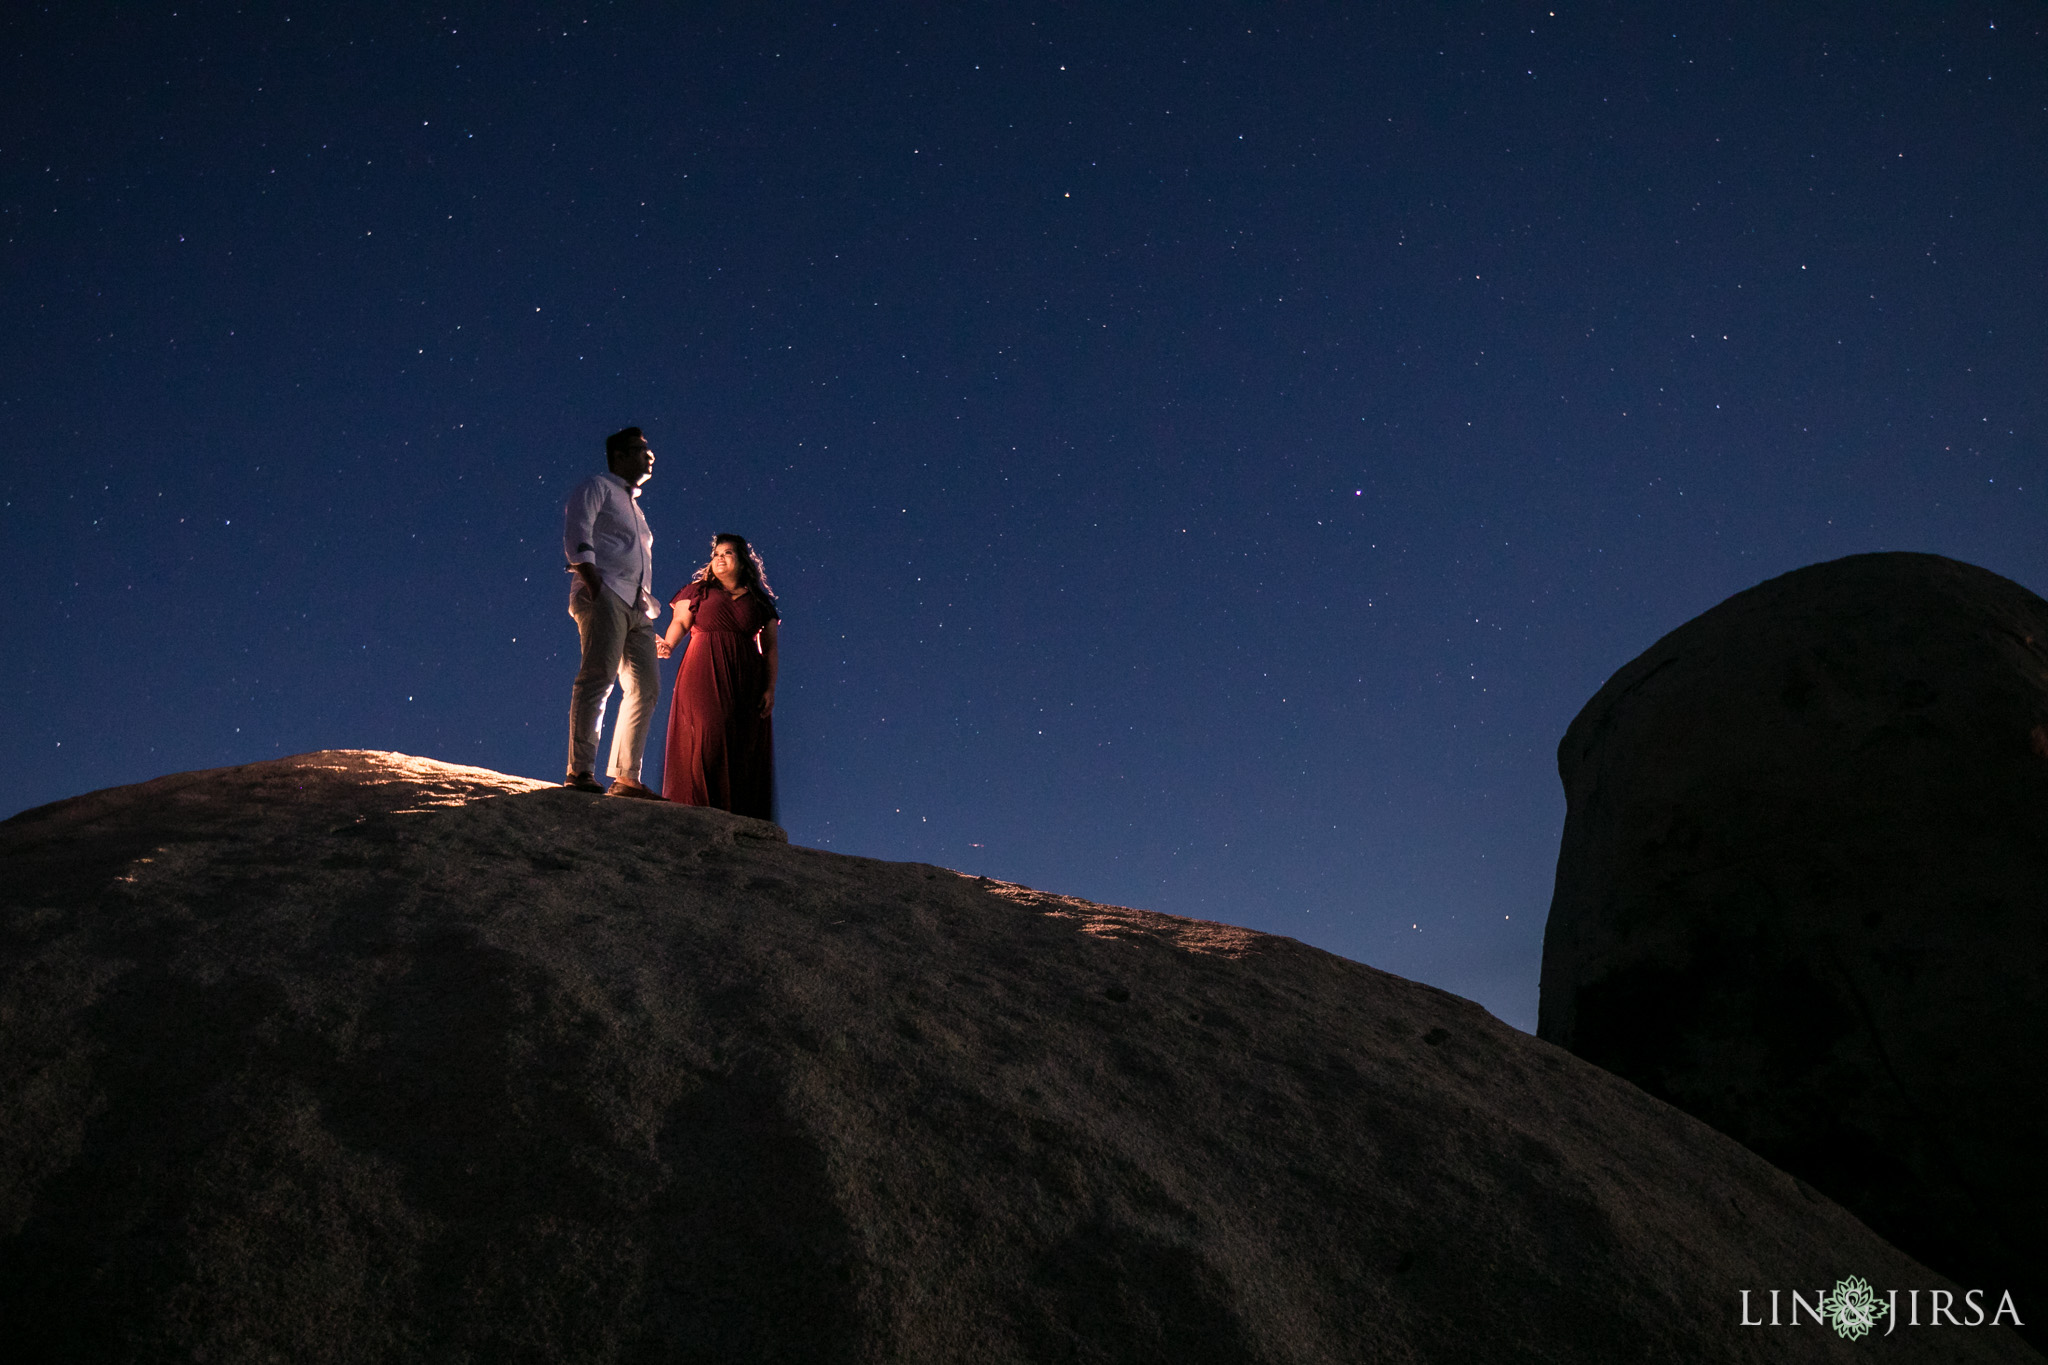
column 619, row 442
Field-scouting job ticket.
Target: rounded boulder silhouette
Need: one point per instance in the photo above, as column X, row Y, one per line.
column 1803, row 895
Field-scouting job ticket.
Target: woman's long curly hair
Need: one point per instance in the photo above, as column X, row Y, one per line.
column 753, row 573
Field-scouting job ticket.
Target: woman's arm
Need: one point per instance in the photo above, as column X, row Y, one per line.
column 678, row 626
column 768, row 634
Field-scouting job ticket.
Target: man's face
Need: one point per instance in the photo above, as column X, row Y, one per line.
column 636, row 467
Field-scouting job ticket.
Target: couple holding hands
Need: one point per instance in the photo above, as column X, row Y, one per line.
column 721, row 738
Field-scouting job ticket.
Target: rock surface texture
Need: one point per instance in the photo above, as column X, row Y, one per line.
column 355, row 1057
column 1803, row 895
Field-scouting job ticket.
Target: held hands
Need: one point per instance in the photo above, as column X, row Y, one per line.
column 682, row 613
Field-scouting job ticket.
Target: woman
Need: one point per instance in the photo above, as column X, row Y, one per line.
column 721, row 743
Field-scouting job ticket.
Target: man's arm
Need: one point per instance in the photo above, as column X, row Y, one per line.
column 579, row 532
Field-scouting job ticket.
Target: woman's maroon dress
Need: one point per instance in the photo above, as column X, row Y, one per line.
column 721, row 751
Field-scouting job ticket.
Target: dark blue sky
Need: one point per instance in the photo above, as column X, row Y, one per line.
column 1207, row 454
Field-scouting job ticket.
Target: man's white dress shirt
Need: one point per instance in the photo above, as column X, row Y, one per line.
column 603, row 528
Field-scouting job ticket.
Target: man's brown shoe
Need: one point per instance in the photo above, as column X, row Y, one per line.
column 621, row 787
column 582, row 782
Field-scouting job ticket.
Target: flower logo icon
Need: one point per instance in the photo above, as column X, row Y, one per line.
column 1852, row 1309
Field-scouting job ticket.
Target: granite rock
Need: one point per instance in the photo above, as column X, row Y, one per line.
column 358, row 1057
column 1803, row 895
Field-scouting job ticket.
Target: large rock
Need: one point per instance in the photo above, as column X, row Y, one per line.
column 1803, row 895
column 354, row 1057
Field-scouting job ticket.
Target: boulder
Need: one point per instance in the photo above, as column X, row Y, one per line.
column 358, row 1057
column 1803, row 895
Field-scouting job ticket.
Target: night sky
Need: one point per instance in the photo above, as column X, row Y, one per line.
column 1206, row 455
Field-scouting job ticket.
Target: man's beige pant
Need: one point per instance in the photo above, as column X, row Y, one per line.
column 618, row 645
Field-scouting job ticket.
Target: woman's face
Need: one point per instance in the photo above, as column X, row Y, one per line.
column 725, row 563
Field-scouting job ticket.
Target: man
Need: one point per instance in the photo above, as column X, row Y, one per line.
column 611, row 597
